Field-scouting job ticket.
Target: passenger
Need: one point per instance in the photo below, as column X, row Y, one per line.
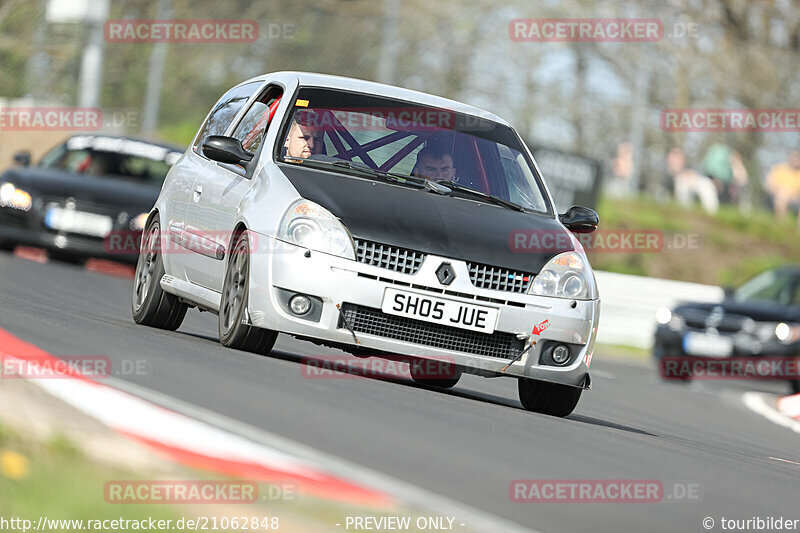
column 435, row 163
column 318, row 145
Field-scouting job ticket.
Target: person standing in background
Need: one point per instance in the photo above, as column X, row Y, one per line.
column 783, row 184
column 724, row 165
column 690, row 184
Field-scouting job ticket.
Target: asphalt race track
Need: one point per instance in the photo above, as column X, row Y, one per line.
column 467, row 444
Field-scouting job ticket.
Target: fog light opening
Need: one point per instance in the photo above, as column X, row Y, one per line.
column 300, row 304
column 560, row 354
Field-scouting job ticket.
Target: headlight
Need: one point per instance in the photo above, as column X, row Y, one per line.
column 10, row 196
column 567, row 275
column 787, row 334
column 6, row 193
column 663, row 315
column 312, row 226
column 666, row 317
column 138, row 222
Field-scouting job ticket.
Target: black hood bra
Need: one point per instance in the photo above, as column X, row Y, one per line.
column 417, row 219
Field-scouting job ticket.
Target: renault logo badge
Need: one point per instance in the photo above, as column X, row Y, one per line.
column 445, row 273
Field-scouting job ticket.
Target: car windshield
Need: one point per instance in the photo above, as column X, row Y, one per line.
column 112, row 157
column 351, row 130
column 773, row 286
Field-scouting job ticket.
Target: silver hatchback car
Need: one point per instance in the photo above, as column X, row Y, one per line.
column 377, row 220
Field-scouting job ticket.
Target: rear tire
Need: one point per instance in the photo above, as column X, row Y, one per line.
column 233, row 333
column 548, row 398
column 445, row 376
column 151, row 305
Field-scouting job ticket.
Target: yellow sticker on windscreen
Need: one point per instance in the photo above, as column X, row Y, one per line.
column 301, row 103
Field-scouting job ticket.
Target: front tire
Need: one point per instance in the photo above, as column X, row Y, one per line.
column 152, row 305
column 548, row 398
column 233, row 333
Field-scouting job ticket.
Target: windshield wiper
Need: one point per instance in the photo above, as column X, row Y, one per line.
column 488, row 197
column 376, row 172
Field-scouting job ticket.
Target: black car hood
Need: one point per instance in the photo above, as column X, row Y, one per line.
column 761, row 312
column 421, row 220
column 110, row 192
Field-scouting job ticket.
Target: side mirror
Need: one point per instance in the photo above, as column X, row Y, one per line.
column 225, row 150
column 579, row 219
column 23, row 158
column 729, row 292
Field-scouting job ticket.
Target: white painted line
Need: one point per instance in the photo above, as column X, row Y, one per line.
column 141, row 411
column 756, row 403
column 785, row 460
column 790, row 405
column 362, row 475
column 128, row 414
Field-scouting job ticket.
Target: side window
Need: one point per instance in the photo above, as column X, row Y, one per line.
column 250, row 131
column 223, row 113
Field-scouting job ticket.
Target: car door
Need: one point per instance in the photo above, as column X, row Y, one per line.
column 218, row 193
column 185, row 174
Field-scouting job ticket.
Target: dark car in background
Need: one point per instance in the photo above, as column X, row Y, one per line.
column 759, row 319
column 80, row 192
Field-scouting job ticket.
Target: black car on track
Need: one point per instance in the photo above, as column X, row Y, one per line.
column 80, row 192
column 760, row 319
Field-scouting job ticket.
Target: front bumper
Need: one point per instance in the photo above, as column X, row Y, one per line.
column 669, row 343
column 72, row 244
column 27, row 229
column 337, row 281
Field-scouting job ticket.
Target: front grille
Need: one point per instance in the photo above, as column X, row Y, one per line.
column 376, row 322
column 698, row 319
column 390, row 257
column 498, row 279
column 85, row 206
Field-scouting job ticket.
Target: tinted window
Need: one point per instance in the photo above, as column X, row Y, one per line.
column 224, row 112
column 408, row 138
column 112, row 157
column 250, row 131
column 773, row 286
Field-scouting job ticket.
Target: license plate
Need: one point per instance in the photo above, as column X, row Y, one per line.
column 73, row 221
column 439, row 310
column 707, row 345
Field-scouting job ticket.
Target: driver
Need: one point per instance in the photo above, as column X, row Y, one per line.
column 435, row 163
column 301, row 139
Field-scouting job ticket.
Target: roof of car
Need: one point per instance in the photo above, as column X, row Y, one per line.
column 390, row 91
column 160, row 144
